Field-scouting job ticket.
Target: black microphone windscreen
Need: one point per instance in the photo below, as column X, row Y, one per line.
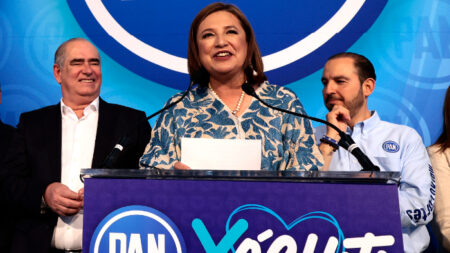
column 247, row 88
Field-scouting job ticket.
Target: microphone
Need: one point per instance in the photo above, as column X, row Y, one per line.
column 112, row 157
column 346, row 140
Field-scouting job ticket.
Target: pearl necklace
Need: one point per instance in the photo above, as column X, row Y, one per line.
column 238, row 106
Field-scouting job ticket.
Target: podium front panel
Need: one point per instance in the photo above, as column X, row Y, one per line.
column 224, row 216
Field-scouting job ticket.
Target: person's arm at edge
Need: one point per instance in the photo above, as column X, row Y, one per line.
column 441, row 167
column 417, row 186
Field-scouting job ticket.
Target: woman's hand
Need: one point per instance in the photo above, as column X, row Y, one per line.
column 181, row 166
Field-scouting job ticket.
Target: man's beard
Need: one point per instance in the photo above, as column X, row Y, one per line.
column 353, row 105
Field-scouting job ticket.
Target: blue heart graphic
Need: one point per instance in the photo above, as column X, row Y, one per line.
column 312, row 215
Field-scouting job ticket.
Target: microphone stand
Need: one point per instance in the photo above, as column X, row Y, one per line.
column 191, row 84
column 346, row 140
column 112, row 157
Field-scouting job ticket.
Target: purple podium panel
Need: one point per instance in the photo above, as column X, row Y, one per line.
column 198, row 215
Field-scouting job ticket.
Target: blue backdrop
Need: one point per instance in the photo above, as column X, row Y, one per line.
column 143, row 46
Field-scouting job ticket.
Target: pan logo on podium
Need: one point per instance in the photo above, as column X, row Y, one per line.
column 143, row 229
column 137, row 229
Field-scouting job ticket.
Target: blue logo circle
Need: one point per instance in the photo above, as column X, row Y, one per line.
column 421, row 62
column 136, row 229
column 150, row 37
column 391, row 146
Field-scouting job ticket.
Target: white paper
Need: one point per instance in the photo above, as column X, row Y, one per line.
column 221, row 154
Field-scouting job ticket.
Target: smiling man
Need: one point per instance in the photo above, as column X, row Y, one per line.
column 348, row 81
column 53, row 143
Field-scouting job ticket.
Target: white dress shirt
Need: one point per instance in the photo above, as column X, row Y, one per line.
column 77, row 151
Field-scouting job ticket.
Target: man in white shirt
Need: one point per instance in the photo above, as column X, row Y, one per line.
column 348, row 80
column 52, row 145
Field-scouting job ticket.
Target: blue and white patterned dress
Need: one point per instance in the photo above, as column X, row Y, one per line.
column 288, row 142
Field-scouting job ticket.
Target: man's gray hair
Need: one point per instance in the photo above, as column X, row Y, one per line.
column 60, row 54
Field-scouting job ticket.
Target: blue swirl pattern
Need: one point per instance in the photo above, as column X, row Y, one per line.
column 288, row 142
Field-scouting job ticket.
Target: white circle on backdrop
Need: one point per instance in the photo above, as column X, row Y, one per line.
column 273, row 61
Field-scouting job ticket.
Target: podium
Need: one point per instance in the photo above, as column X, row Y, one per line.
column 240, row 211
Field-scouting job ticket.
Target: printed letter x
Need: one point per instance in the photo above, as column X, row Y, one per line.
column 227, row 241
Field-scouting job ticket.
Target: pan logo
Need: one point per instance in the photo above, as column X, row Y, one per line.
column 137, row 229
column 150, row 37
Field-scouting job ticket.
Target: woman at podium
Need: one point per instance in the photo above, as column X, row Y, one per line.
column 222, row 55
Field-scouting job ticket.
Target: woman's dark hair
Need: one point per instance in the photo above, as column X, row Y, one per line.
column 444, row 141
column 253, row 62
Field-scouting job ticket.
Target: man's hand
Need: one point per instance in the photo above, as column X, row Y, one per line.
column 340, row 117
column 81, row 196
column 62, row 200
